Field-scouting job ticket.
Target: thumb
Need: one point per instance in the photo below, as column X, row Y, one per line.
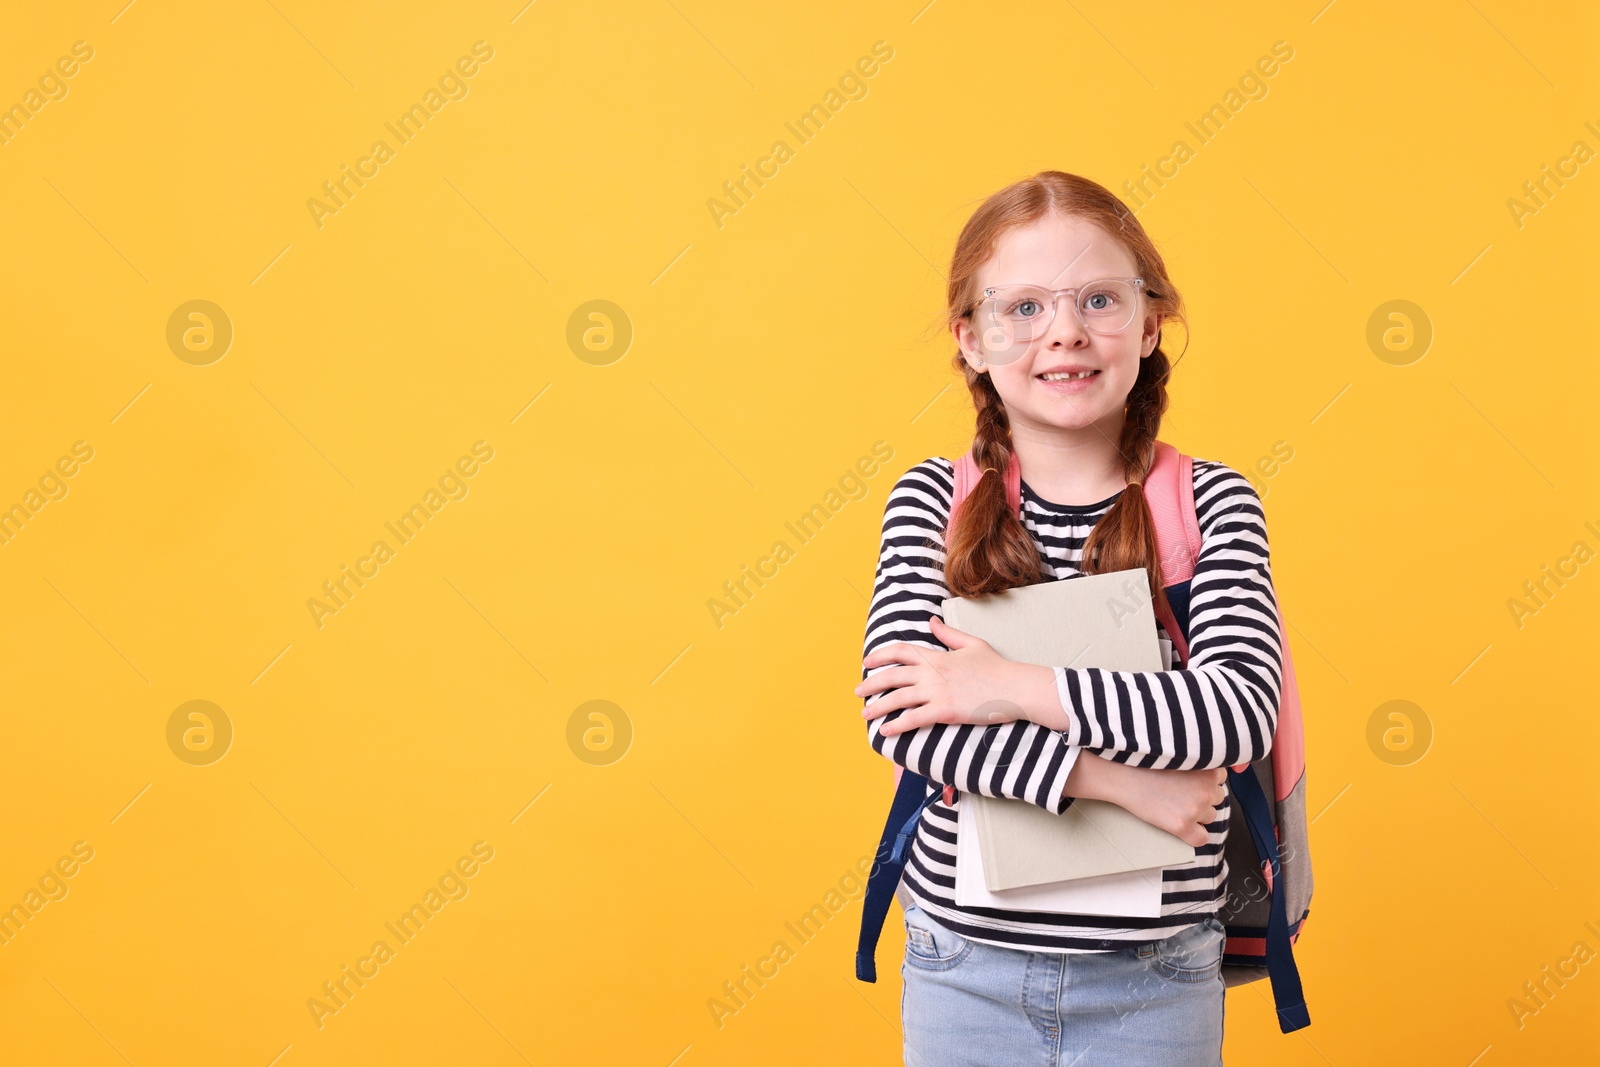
column 949, row 636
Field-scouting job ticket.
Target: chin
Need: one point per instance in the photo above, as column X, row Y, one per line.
column 1071, row 419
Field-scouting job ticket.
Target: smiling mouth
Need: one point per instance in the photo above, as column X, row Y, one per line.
column 1066, row 377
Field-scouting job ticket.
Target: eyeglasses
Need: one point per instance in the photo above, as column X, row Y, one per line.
column 1011, row 317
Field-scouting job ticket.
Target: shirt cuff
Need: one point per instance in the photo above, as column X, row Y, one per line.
column 1058, row 787
column 1071, row 732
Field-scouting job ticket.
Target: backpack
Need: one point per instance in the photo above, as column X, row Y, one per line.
column 1269, row 869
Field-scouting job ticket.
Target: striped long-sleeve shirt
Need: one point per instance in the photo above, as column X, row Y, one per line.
column 1220, row 710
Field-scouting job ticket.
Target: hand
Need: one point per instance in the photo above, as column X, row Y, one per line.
column 1180, row 802
column 968, row 684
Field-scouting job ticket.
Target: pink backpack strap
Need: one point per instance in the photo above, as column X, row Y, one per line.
column 1289, row 739
column 1169, row 490
column 1169, row 493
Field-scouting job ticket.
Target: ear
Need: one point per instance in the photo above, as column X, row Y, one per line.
column 967, row 339
column 1151, row 336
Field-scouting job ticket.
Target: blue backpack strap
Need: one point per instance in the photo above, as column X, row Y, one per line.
column 911, row 798
column 1281, row 970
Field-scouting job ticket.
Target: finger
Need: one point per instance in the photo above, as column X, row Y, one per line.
column 891, row 678
column 908, row 720
column 897, row 652
column 880, row 656
column 951, row 637
column 891, row 701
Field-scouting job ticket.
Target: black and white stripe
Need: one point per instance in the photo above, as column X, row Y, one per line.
column 1220, row 710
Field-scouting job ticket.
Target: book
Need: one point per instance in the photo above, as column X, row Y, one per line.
column 1133, row 893
column 1099, row 620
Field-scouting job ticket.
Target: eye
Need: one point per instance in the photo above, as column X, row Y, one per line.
column 1099, row 301
column 1023, row 306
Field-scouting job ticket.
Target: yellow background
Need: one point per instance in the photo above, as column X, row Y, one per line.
column 768, row 355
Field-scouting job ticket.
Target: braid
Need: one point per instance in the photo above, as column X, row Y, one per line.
column 989, row 550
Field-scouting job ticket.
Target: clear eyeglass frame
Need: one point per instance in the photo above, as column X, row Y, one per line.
column 1004, row 340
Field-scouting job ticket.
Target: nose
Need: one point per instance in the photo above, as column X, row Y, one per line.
column 1065, row 325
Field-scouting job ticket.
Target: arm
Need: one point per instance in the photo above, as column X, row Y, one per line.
column 1186, row 804
column 1019, row 760
column 1222, row 708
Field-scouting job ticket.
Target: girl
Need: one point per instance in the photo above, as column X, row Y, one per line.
column 1056, row 300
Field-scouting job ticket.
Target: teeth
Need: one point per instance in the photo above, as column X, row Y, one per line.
column 1065, row 377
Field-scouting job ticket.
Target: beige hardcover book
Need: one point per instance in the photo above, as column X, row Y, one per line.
column 1097, row 620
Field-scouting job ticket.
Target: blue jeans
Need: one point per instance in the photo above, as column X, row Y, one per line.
column 966, row 1003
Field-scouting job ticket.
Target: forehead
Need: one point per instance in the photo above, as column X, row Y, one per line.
column 1059, row 252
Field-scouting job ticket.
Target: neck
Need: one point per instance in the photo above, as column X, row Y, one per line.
column 1072, row 466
